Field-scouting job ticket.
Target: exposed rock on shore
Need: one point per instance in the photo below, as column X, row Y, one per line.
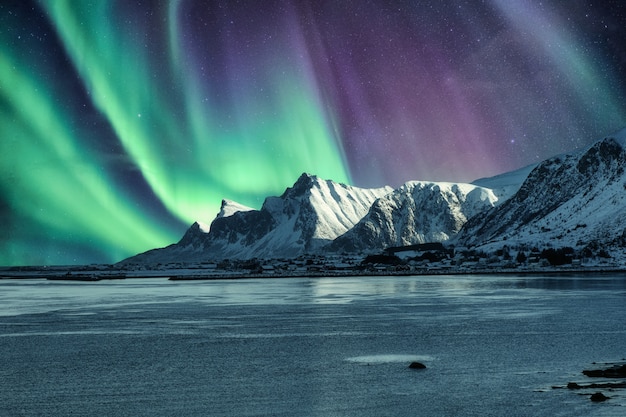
column 614, row 371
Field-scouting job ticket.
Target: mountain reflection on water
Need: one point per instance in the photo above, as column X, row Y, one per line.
column 493, row 345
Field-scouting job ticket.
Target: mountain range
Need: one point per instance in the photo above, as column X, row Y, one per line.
column 575, row 200
column 304, row 219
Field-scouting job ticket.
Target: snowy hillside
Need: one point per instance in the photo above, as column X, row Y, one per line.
column 576, row 200
column 417, row 212
column 507, row 184
column 307, row 216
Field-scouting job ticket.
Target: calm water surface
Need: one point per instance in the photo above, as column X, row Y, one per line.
column 493, row 345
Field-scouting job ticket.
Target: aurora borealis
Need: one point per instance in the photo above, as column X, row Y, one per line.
column 122, row 122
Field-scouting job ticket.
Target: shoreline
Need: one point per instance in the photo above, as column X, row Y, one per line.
column 86, row 274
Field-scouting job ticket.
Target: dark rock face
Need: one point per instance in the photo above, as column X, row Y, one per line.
column 245, row 226
column 417, row 365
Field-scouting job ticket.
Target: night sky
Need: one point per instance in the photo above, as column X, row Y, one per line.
column 122, row 122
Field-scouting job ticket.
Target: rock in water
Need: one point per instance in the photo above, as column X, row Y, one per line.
column 598, row 397
column 417, row 365
column 617, row 371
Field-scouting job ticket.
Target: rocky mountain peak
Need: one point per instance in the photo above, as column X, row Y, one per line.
column 417, row 212
column 303, row 185
column 606, row 155
column 229, row 207
column 569, row 200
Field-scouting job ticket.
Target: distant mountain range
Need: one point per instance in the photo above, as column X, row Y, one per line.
column 576, row 200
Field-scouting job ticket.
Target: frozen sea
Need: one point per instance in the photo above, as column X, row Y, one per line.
column 493, row 346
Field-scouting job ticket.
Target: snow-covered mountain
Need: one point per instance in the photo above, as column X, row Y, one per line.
column 506, row 184
column 230, row 207
column 576, row 200
column 306, row 217
column 417, row 212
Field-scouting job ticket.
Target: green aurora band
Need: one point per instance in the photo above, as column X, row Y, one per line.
column 192, row 155
column 191, row 151
column 56, row 182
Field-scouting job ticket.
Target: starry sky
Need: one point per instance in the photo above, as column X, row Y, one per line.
column 122, row 122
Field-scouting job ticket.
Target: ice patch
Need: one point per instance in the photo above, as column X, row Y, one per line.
column 389, row 358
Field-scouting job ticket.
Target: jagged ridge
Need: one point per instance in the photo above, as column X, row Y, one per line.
column 417, row 212
column 304, row 218
column 572, row 200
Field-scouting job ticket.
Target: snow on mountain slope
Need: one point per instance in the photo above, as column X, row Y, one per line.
column 576, row 200
column 507, row 184
column 230, row 207
column 417, row 212
column 307, row 216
